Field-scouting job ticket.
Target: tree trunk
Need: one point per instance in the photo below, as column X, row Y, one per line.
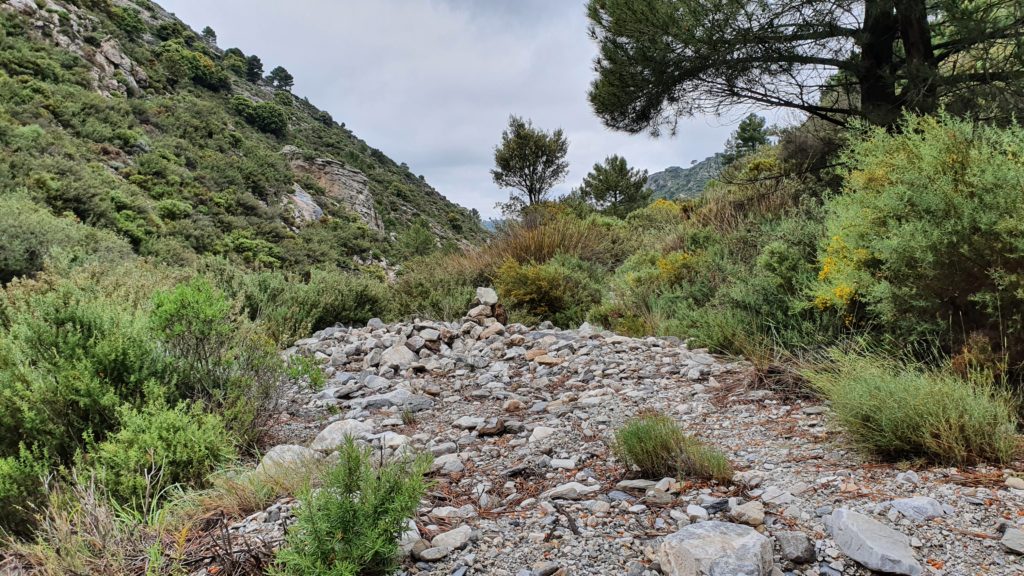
column 920, row 92
column 879, row 102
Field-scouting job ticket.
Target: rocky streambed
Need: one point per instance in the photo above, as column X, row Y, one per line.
column 520, row 421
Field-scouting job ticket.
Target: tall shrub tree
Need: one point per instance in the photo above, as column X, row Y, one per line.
column 253, row 68
column 834, row 59
column 615, row 188
column 530, row 161
column 750, row 135
column 281, row 79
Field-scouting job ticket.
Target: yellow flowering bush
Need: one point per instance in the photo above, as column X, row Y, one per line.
column 928, row 233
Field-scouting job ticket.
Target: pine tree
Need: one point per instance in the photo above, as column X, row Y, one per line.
column 615, row 188
column 280, row 78
column 253, row 68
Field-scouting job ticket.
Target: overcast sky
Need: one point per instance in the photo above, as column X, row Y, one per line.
column 432, row 82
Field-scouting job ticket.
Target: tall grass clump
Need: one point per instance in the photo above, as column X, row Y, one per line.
column 351, row 524
column 599, row 240
column 899, row 411
column 656, row 445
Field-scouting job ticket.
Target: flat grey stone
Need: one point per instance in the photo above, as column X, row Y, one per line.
column 286, row 459
column 1013, row 540
column 919, row 508
column 872, row 544
column 716, row 548
column 795, row 546
column 453, row 539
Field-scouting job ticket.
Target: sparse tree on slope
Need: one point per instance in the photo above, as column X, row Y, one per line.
column 209, row 36
column 615, row 188
column 834, row 59
column 253, row 68
column 281, row 79
column 530, row 161
column 750, row 135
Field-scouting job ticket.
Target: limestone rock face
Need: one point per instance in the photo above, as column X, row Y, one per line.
column 304, row 208
column 716, row 548
column 347, row 185
column 872, row 544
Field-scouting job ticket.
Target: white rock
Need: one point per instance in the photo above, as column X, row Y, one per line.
column 453, row 539
column 696, row 513
column 872, row 544
column 716, row 548
column 409, row 538
column 540, row 433
column 334, row 435
column 919, row 508
column 448, row 463
column 486, row 296
column 398, row 356
column 468, row 422
column 286, row 459
column 569, row 491
column 751, row 513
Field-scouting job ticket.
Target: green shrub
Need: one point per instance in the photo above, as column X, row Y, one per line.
column 656, row 445
column 217, row 357
column 21, row 491
column 417, row 240
column 897, row 411
column 29, row 234
column 70, row 355
column 179, row 64
column 264, row 116
column 293, row 309
column 561, row 290
column 350, row 526
column 438, row 286
column 157, row 447
column 927, row 240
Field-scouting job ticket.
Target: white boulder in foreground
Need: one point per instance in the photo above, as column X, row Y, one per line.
column 716, row 548
column 872, row 544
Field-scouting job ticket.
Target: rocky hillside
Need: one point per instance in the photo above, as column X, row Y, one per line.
column 676, row 182
column 119, row 114
column 521, row 420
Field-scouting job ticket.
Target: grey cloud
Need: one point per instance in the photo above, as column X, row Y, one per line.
column 432, row 82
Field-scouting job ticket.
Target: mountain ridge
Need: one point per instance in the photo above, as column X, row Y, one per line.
column 677, row 182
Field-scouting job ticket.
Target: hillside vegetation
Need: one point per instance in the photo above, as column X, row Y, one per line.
column 172, row 218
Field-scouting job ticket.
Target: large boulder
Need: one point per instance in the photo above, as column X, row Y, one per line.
column 716, row 548
column 872, row 544
column 286, row 460
column 334, row 435
column 486, row 296
column 398, row 356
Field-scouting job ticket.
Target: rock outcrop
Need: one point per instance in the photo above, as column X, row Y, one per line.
column 347, row 186
column 66, row 26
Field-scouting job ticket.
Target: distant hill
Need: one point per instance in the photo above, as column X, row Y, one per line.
column 117, row 114
column 677, row 182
